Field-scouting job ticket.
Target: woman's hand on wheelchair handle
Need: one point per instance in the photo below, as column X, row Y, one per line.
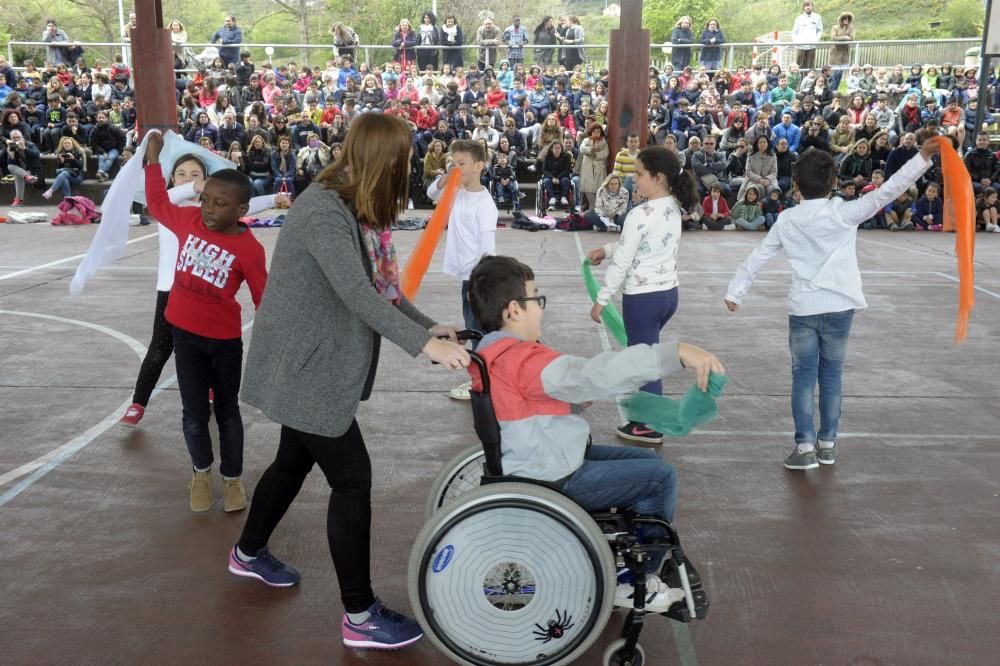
column 448, row 354
column 701, row 361
column 445, row 331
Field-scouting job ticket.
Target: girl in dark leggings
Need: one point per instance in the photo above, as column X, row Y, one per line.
column 331, row 296
column 644, row 260
column 187, row 177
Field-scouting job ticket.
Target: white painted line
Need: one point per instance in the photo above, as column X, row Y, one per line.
column 855, row 435
column 978, row 288
column 25, row 271
column 44, row 464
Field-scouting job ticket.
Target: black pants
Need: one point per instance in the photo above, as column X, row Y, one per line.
column 161, row 346
column 204, row 363
column 348, row 470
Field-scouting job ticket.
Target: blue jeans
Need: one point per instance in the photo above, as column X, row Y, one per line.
column 624, row 477
column 548, row 187
column 106, row 161
column 644, row 316
column 750, row 225
column 64, row 181
column 261, row 186
column 818, row 344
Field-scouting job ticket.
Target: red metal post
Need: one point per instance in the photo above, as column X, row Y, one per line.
column 628, row 92
column 153, row 76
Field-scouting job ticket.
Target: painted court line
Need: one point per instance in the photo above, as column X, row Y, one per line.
column 682, row 637
column 856, row 435
column 38, row 468
column 25, row 271
column 978, row 288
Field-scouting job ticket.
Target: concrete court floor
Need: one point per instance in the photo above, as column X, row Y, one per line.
column 889, row 557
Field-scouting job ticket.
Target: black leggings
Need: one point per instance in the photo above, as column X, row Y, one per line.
column 344, row 460
column 161, row 346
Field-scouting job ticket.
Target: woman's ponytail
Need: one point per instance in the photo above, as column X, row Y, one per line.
column 657, row 159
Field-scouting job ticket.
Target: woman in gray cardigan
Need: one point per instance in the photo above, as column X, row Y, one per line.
column 332, row 295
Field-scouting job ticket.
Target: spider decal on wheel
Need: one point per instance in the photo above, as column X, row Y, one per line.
column 556, row 628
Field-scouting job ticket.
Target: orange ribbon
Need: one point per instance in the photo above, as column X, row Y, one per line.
column 960, row 217
column 420, row 260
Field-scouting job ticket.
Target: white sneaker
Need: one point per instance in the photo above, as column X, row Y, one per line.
column 729, row 227
column 552, row 201
column 409, row 204
column 993, row 228
column 659, row 597
column 461, row 392
column 563, row 201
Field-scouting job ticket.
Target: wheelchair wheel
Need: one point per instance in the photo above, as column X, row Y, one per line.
column 614, row 655
column 512, row 573
column 460, row 475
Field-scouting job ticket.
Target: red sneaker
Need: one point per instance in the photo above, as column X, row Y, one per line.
column 133, row 415
column 17, row 204
column 211, row 395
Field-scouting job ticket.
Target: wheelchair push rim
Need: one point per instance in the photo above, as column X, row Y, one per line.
column 512, row 574
column 460, row 476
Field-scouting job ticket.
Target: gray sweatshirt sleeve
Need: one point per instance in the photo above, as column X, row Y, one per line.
column 575, row 379
column 336, row 251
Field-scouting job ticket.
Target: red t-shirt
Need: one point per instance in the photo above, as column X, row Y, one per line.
column 210, row 267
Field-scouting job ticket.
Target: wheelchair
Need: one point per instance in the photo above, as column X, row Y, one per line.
column 508, row 570
column 542, row 197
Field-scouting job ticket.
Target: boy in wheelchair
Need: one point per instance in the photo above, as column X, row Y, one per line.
column 538, row 395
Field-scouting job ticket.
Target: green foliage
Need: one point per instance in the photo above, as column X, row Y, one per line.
column 660, row 16
column 964, row 18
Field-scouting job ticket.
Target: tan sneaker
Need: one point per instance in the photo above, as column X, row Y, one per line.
column 461, row 392
column 234, row 497
column 201, row 491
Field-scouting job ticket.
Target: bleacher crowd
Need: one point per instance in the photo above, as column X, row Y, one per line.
column 740, row 131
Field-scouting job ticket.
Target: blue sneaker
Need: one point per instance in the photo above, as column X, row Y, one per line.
column 265, row 568
column 383, row 630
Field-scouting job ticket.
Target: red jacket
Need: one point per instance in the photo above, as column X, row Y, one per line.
column 706, row 206
column 210, row 267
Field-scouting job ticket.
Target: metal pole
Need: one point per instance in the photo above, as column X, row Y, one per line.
column 983, row 72
column 121, row 24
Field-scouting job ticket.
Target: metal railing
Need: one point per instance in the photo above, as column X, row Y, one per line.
column 879, row 53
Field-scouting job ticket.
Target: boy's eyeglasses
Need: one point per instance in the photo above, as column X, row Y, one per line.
column 540, row 299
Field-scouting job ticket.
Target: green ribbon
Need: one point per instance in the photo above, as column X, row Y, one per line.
column 673, row 417
column 610, row 315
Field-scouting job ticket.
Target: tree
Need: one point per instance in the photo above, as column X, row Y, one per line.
column 660, row 16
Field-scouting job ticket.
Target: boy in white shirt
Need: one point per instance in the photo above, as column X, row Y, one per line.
column 472, row 226
column 819, row 237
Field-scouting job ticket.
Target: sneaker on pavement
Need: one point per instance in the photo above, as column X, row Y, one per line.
column 234, row 496
column 906, row 226
column 729, row 227
column 201, row 491
column 461, row 392
column 265, row 567
column 826, row 455
column 893, row 227
column 659, row 597
column 802, row 460
column 383, row 630
column 17, row 203
column 133, row 415
column 638, row 432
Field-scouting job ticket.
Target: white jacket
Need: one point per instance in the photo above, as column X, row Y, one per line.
column 645, row 257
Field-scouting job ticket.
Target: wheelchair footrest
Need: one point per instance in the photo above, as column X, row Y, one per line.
column 679, row 611
column 670, row 574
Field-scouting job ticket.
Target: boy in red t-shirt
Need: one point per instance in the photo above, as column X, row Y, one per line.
column 217, row 254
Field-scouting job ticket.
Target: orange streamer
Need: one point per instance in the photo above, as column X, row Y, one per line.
column 960, row 217
column 420, row 260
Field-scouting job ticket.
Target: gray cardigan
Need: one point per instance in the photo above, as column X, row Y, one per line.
column 316, row 336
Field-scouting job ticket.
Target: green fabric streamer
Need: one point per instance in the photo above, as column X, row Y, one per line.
column 610, row 315
column 672, row 417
